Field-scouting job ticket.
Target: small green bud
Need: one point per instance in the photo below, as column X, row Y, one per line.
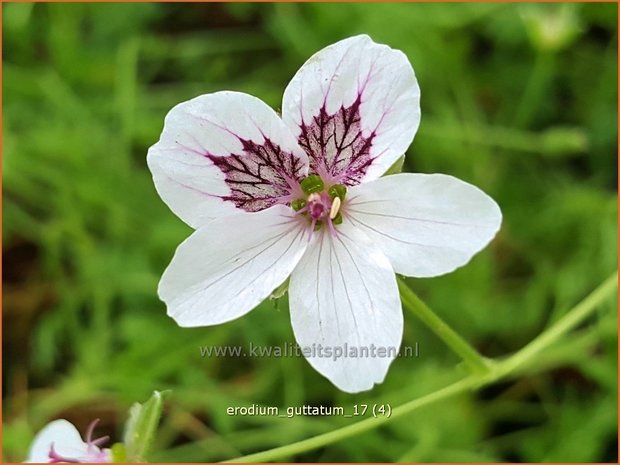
column 337, row 190
column 312, row 183
column 298, row 204
column 280, row 290
column 337, row 219
column 552, row 28
column 118, row 452
column 396, row 167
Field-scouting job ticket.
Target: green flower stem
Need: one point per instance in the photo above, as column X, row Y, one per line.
column 474, row 381
column 474, row 361
column 577, row 314
column 355, row 428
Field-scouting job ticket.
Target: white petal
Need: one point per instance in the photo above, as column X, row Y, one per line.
column 65, row 438
column 343, row 296
column 260, row 157
column 343, row 95
column 225, row 269
column 426, row 224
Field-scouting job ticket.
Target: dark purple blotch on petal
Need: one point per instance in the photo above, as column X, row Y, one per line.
column 262, row 176
column 336, row 148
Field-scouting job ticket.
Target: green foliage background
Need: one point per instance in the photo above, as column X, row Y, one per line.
column 518, row 99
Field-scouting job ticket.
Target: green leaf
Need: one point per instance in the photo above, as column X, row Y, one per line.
column 141, row 427
column 396, row 167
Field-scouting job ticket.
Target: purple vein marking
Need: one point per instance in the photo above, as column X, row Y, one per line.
column 337, row 150
column 262, row 176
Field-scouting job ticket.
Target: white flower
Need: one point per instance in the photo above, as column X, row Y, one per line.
column 60, row 441
column 303, row 196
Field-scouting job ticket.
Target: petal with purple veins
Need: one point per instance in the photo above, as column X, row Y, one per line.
column 223, row 153
column 354, row 107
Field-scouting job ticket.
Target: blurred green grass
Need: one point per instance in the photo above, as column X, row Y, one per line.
column 518, row 99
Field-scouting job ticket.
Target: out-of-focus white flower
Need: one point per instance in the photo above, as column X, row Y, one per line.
column 60, row 441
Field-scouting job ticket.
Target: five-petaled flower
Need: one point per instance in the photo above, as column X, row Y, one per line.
column 302, row 196
column 60, row 441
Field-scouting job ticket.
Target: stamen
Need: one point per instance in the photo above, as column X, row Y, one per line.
column 335, row 208
column 91, row 430
column 332, row 230
column 99, row 441
column 302, row 211
column 57, row 458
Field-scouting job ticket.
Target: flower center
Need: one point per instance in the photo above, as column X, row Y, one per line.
column 320, row 205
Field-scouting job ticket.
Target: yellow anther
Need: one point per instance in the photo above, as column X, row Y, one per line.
column 335, row 208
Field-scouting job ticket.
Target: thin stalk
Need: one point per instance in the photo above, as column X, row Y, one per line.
column 534, row 91
column 357, row 428
column 472, row 358
column 569, row 321
column 498, row 370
